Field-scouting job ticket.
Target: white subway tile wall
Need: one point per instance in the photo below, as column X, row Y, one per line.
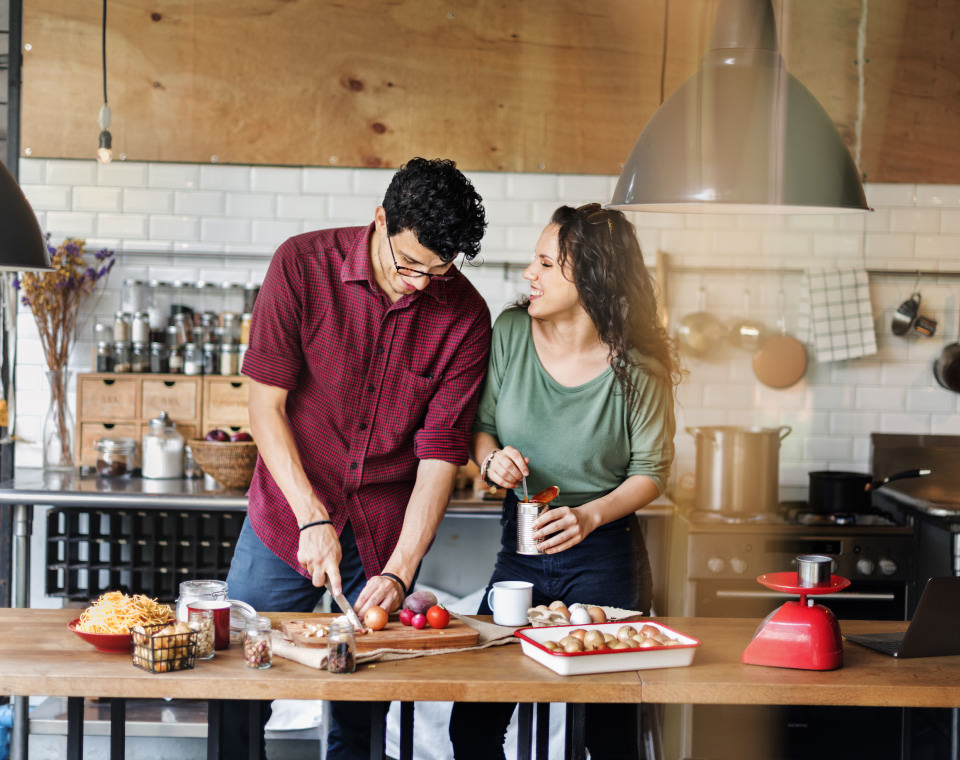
column 222, row 223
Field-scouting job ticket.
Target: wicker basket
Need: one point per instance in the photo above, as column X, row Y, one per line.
column 229, row 463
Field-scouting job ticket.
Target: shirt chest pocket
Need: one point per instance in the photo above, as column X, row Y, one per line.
column 406, row 397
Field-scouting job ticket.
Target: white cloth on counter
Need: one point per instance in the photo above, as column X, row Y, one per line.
column 839, row 314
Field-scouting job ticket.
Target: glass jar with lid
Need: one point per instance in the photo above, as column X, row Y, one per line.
column 122, row 326
column 140, row 327
column 159, row 358
column 121, row 356
column 139, row 357
column 133, row 296
column 199, row 590
column 250, row 292
column 103, row 331
column 257, row 645
column 211, row 359
column 162, row 449
column 341, row 647
column 192, row 359
column 116, row 457
column 229, row 359
column 104, row 356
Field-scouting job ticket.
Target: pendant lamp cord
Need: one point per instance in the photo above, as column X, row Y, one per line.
column 663, row 53
column 103, row 49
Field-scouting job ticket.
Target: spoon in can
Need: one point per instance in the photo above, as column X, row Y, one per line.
column 525, row 495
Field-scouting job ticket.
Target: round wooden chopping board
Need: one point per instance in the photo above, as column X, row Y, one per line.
column 780, row 362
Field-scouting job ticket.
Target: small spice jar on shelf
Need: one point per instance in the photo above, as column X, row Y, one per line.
column 341, row 647
column 257, row 646
column 201, row 620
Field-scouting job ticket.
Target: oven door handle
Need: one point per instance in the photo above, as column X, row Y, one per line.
column 850, row 595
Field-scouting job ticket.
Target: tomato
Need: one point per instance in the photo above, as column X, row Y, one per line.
column 375, row 618
column 418, row 621
column 438, row 617
column 406, row 616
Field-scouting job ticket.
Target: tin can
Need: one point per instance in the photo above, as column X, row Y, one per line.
column 527, row 513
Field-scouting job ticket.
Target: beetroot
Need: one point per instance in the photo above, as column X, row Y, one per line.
column 420, row 601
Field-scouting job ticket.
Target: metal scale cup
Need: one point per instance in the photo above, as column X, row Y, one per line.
column 800, row 634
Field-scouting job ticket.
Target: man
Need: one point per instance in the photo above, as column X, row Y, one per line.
column 367, row 351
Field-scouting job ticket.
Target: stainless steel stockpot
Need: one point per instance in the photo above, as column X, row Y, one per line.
column 738, row 468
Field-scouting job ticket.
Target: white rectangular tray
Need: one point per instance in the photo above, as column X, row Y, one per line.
column 609, row 660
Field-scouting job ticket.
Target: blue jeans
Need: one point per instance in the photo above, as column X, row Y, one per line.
column 259, row 578
column 610, row 567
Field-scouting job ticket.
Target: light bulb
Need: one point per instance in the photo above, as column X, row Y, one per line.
column 105, row 151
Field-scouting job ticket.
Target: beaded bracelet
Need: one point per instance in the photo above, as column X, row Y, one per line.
column 486, row 464
column 315, row 522
column 396, row 579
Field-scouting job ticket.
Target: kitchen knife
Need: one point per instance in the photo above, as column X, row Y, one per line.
column 347, row 609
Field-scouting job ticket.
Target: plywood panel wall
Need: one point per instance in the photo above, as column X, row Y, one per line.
column 518, row 85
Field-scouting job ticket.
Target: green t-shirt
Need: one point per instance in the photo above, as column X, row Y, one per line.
column 585, row 440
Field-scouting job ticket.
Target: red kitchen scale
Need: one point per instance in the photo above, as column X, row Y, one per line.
column 799, row 634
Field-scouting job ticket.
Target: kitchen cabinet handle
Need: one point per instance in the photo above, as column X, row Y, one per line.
column 849, row 595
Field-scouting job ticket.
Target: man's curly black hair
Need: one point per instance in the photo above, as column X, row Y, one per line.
column 433, row 199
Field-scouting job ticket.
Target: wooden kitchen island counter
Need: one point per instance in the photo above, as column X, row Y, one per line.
column 40, row 656
column 867, row 678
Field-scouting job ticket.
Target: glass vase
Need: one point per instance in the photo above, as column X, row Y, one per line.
column 58, row 426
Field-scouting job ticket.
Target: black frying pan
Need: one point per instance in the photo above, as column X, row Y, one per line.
column 833, row 492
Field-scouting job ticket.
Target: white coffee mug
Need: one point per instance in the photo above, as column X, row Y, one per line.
column 510, row 601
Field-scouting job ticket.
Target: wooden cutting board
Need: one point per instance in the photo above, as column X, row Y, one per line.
column 395, row 636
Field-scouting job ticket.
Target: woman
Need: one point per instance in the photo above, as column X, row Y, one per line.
column 579, row 394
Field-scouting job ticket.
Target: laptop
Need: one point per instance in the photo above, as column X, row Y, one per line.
column 934, row 630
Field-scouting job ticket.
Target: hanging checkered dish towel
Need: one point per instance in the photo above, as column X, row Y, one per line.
column 840, row 315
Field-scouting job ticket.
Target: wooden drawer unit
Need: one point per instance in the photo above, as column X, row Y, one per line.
column 108, row 398
column 111, row 405
column 179, row 397
column 225, row 402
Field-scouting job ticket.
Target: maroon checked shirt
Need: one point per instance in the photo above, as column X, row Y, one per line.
column 373, row 387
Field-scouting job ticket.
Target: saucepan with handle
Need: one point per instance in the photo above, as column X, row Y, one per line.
column 838, row 492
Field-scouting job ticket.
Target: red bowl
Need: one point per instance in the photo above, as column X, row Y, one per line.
column 111, row 643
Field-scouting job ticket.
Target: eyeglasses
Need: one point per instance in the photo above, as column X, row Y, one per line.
column 594, row 213
column 409, row 272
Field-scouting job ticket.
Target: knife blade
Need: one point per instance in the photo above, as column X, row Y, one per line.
column 347, row 609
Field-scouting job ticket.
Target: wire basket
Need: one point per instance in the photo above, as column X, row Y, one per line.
column 163, row 653
column 230, row 463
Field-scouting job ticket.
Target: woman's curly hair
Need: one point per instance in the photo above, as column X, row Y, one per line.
column 615, row 288
column 433, row 199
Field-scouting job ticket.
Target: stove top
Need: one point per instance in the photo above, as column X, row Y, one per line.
column 796, row 514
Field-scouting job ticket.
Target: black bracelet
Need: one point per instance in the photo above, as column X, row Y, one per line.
column 315, row 522
column 391, row 576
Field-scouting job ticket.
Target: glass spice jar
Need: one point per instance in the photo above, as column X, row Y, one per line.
column 229, row 359
column 121, row 356
column 341, row 647
column 104, row 357
column 211, row 359
column 245, row 321
column 121, row 326
column 250, row 292
column 116, row 457
column 192, row 359
column 140, row 327
column 139, row 357
column 257, row 646
column 159, row 358
column 201, row 620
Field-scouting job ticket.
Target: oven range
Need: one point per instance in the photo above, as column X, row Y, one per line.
column 717, row 561
column 714, row 563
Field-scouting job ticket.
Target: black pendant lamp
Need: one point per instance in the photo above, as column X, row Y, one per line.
column 742, row 135
column 22, row 245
